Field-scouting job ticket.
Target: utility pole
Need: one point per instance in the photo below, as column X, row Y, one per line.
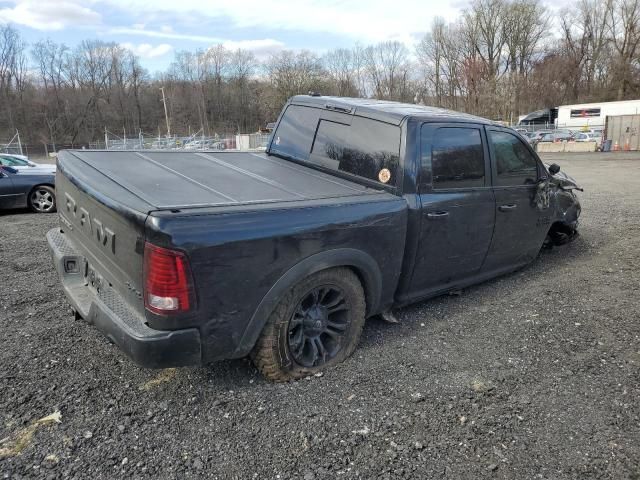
column 166, row 115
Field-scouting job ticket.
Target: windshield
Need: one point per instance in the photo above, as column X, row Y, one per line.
column 12, row 161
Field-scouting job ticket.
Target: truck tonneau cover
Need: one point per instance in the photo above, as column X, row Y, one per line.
column 167, row 180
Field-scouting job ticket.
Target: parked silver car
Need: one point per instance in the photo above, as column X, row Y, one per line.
column 20, row 162
column 589, row 137
column 556, row 137
column 33, row 188
column 534, row 137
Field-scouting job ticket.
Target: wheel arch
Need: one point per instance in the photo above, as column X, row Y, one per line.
column 362, row 264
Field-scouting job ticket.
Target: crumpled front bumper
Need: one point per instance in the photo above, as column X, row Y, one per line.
column 116, row 320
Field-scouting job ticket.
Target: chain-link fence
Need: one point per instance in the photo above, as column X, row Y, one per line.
column 12, row 145
column 535, row 128
column 199, row 142
column 243, row 142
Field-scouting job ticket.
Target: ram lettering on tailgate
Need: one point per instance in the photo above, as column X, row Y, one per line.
column 93, row 227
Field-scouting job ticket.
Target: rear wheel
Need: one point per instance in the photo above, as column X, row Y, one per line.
column 42, row 199
column 316, row 325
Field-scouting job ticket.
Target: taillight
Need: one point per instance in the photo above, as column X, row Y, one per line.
column 168, row 285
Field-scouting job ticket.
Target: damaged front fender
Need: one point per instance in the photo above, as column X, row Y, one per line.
column 566, row 206
column 563, row 181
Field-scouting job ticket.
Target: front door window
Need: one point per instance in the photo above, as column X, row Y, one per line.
column 514, row 163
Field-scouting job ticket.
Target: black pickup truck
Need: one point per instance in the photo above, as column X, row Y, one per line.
column 357, row 206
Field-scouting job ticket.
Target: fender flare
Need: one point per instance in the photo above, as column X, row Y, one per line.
column 365, row 266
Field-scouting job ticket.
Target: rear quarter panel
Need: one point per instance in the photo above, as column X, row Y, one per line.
column 238, row 257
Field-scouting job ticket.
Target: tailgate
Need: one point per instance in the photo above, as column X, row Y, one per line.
column 106, row 227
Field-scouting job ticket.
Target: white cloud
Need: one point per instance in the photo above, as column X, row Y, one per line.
column 161, row 34
column 260, row 47
column 146, row 50
column 49, row 14
column 265, row 44
column 364, row 20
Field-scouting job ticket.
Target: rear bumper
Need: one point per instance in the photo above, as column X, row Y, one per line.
column 117, row 321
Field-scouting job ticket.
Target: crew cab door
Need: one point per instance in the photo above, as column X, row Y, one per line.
column 520, row 187
column 457, row 208
column 7, row 190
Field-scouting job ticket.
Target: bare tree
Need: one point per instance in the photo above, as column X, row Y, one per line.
column 339, row 64
column 499, row 59
column 431, row 53
column 243, row 110
column 525, row 25
column 12, row 70
column 388, row 70
column 292, row 73
column 624, row 24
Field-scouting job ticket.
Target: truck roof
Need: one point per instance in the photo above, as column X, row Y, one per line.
column 385, row 111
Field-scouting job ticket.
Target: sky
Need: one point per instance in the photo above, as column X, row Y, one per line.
column 156, row 29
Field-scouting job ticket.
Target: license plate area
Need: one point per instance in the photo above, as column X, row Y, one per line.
column 93, row 279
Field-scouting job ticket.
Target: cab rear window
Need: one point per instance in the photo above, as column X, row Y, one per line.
column 361, row 147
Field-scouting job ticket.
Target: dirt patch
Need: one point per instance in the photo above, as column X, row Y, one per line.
column 164, row 376
column 24, row 437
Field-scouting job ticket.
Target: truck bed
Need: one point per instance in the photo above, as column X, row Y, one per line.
column 175, row 180
column 247, row 223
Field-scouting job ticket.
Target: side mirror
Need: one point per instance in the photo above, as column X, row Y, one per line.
column 554, row 168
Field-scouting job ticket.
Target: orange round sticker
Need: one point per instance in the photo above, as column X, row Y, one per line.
column 384, row 175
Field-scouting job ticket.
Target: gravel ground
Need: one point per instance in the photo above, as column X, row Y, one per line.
column 533, row 375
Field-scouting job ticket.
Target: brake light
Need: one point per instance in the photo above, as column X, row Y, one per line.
column 168, row 285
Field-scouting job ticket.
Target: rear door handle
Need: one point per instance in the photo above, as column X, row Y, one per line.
column 507, row 208
column 436, row 215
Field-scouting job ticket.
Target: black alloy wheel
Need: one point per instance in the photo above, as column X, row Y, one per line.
column 318, row 326
column 314, row 326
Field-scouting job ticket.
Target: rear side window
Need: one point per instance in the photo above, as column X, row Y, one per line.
column 514, row 163
column 457, row 158
column 295, row 132
column 366, row 148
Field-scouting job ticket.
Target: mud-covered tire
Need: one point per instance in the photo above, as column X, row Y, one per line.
column 42, row 199
column 274, row 355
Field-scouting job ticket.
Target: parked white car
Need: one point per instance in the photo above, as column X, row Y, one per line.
column 196, row 145
column 589, row 137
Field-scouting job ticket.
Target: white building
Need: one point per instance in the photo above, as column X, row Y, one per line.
column 593, row 115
